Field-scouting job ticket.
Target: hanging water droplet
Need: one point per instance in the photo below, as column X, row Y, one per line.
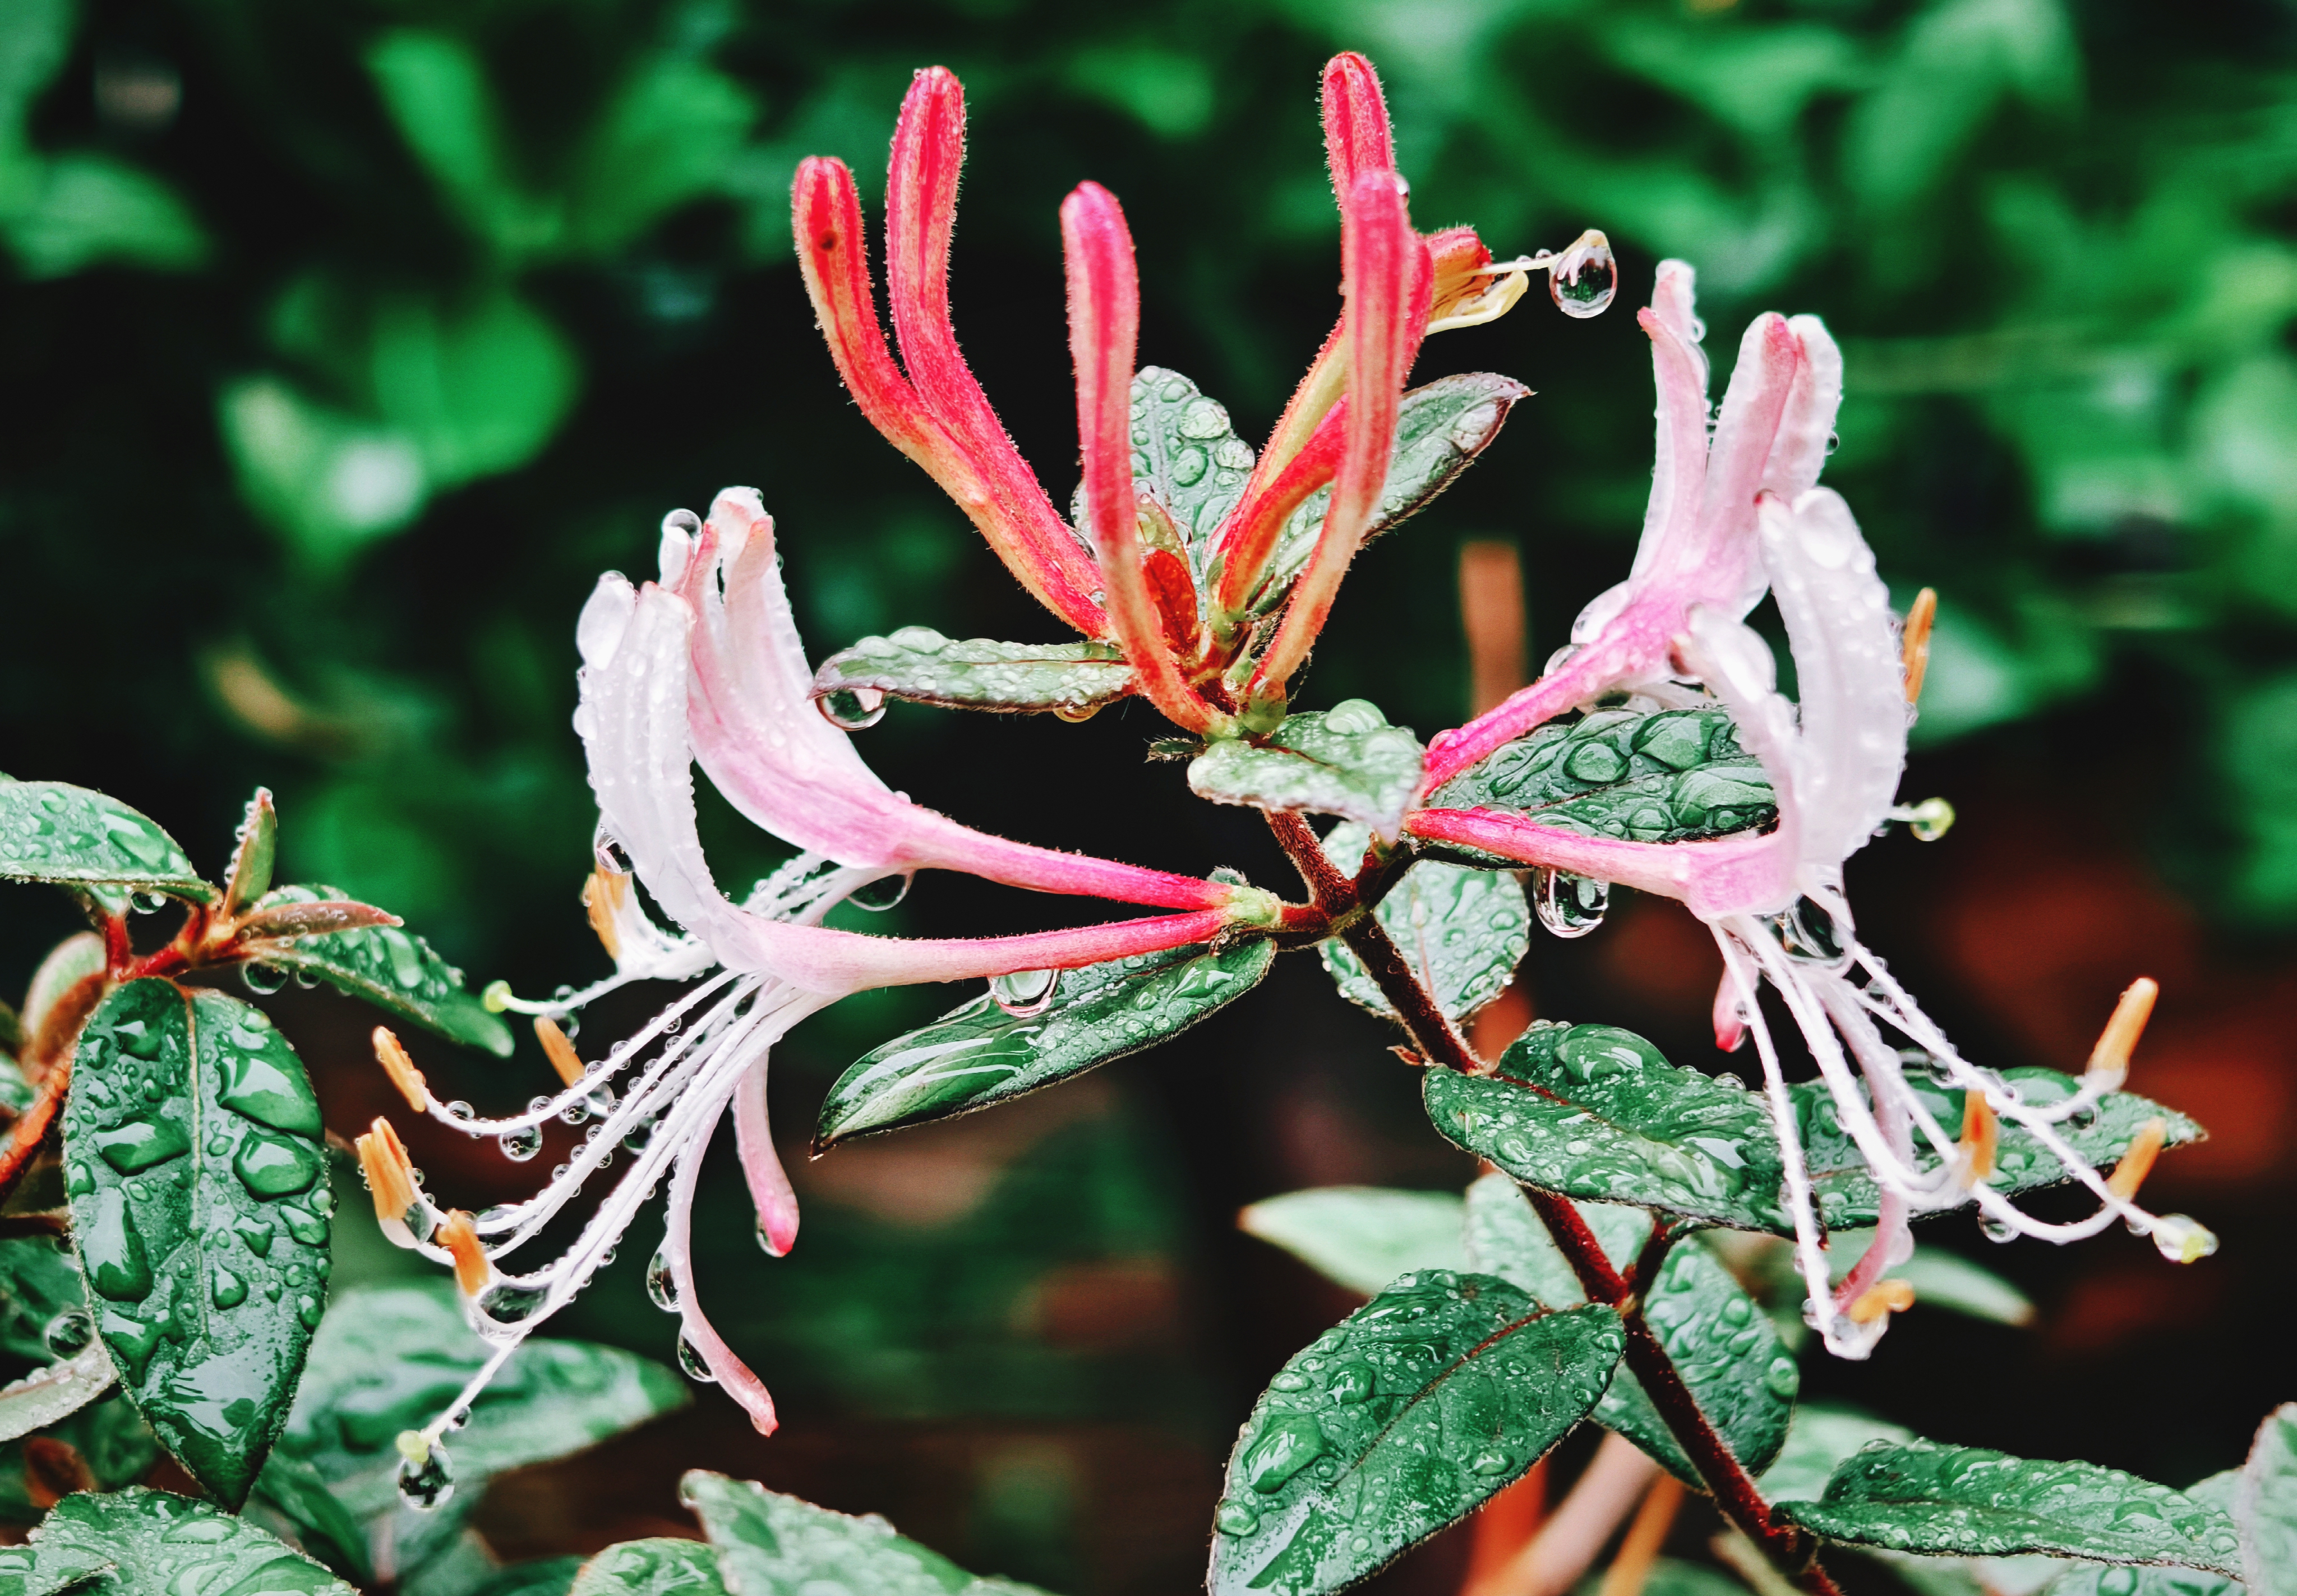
column 424, row 1485
column 852, row 709
column 520, row 1145
column 641, row 1134
column 510, row 1304
column 68, row 1333
column 690, row 1360
column 262, row 979
column 1569, row 905
column 2183, row 1239
column 1997, row 1229
column 147, row 903
column 1585, row 277
column 661, row 1284
column 575, row 1112
column 881, row 894
column 1808, row 931
column 1025, row 993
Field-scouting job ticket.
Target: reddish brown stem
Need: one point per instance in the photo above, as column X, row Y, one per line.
column 1440, row 1042
column 31, row 1127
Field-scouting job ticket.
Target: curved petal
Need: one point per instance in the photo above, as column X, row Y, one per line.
column 1356, row 135
column 695, row 1327
column 1806, row 426
column 1710, row 877
column 770, row 1194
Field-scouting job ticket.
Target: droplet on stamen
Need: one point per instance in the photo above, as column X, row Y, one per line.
column 1585, row 278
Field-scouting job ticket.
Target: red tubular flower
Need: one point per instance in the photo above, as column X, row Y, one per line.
column 937, row 413
column 1357, row 135
column 1387, row 276
column 1104, row 331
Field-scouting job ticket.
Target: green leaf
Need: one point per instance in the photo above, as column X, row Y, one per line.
column 199, row 1203
column 1463, row 930
column 1440, row 429
column 1397, row 1421
column 2219, row 1491
column 156, row 1541
column 1670, row 775
column 88, row 209
column 251, row 860
column 1593, row 1111
column 1669, row 1577
column 45, row 1395
column 666, row 138
column 50, row 831
column 544, row 1577
column 388, row 1358
column 1845, row 1190
column 1820, row 1438
column 38, row 1282
column 918, row 663
column 1362, row 1236
column 979, row 1054
column 770, row 1544
column 392, row 969
column 1186, row 452
column 294, row 1491
column 1965, row 1501
column 1346, row 761
column 657, row 1568
column 1726, row 1349
column 2264, row 1506
column 110, row 1436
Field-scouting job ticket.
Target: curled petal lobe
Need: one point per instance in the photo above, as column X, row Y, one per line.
column 1806, row 425
column 770, row 1194
column 1722, row 561
column 694, row 1328
column 1357, row 135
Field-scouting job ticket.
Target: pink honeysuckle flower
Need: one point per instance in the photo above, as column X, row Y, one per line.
column 1775, row 905
column 1699, row 545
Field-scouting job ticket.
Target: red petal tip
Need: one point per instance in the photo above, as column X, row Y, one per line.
column 1357, row 135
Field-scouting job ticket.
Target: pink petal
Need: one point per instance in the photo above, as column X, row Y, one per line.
column 729, row 1372
column 1806, row 426
column 1709, row 877
column 1356, row 135
column 770, row 1193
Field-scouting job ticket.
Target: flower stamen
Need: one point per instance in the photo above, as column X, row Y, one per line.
column 2109, row 1061
column 1981, row 1135
column 392, row 1054
column 1914, row 640
column 390, row 1177
column 560, row 1051
column 1881, row 1300
column 474, row 1269
column 2138, row 1163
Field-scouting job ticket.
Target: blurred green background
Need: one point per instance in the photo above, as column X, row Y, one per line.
column 341, row 347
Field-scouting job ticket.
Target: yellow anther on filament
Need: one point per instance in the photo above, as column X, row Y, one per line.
column 460, row 1236
column 560, row 1051
column 391, row 1054
column 389, row 1173
column 1981, row 1134
column 1914, row 640
column 603, row 895
column 1883, row 1297
column 2109, row 1061
column 2136, row 1163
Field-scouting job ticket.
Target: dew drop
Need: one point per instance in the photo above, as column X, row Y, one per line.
column 2117, row 1581
column 425, row 1486
column 1997, row 1229
column 661, row 1284
column 1025, row 993
column 690, row 1360
column 68, row 1333
column 1235, row 1519
column 227, row 1288
column 509, row 1305
column 881, row 894
column 852, row 709
column 1568, row 905
column 519, row 1146
column 1584, row 278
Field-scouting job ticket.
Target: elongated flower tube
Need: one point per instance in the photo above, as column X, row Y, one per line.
column 1699, row 545
column 757, row 733
column 1775, row 905
column 1388, row 278
column 1104, row 332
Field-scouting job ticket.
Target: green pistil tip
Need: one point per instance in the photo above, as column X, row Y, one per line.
column 1930, row 820
column 496, row 997
column 415, row 1446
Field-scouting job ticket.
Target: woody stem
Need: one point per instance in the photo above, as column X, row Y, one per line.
column 1440, row 1041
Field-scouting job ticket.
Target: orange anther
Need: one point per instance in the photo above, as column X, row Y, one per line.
column 561, row 1052
column 460, row 1238
column 1981, row 1133
column 1914, row 640
column 2144, row 1148
column 2109, row 1061
column 1883, row 1296
column 389, row 1173
column 602, row 896
column 390, row 1054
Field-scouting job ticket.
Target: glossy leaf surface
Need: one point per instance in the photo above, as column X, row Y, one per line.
column 51, row 831
column 111, row 1439
column 1593, row 1111
column 1845, row 1192
column 2219, row 1491
column 37, row 1281
column 291, row 1490
column 1669, row 776
column 981, row 1053
column 1968, row 1501
column 543, row 1576
column 1362, row 1236
column 390, row 968
column 1400, row 1420
column 655, row 1568
column 1463, row 930
column 1346, row 761
column 1440, row 429
column 199, row 1209
column 2265, row 1505
column 770, row 1544
column 42, row 1397
column 1725, row 1347
column 1820, row 1439
column 1186, row 452
column 919, row 664
column 155, row 1541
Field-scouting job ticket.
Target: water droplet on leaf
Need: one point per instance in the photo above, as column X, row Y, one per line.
column 68, row 1333
column 1025, row 993
column 852, row 709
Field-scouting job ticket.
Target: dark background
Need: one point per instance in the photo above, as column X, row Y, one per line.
column 341, row 347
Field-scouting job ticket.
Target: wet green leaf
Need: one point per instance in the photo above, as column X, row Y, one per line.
column 1362, row 1236
column 1593, row 1111
column 980, row 1053
column 657, row 1568
column 1397, row 1421
column 38, row 1282
column 156, row 1541
column 51, row 831
column 1965, row 1501
column 1820, row 1438
column 200, row 1205
column 293, row 1491
column 1440, row 429
column 52, row 1393
column 1186, row 452
column 544, row 1577
column 1346, row 761
column 1464, row 931
column 1845, row 1192
column 112, row 1438
column 1726, row 1348
column 770, row 1544
column 918, row 663
column 1669, row 776
column 389, row 1358
column 393, row 969
column 2219, row 1491
column 2264, row 1506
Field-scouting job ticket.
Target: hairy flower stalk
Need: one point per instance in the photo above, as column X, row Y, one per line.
column 1729, row 518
